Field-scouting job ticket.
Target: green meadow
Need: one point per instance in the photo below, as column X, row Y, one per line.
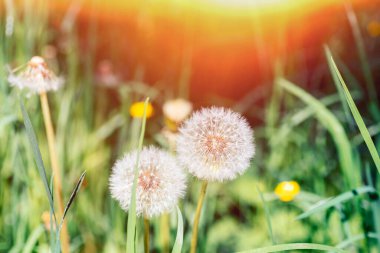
column 323, row 143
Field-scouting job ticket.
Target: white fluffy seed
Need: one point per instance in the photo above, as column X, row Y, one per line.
column 160, row 184
column 216, row 144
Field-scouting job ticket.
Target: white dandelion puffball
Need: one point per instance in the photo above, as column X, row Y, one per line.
column 215, row 144
column 36, row 77
column 177, row 110
column 160, row 184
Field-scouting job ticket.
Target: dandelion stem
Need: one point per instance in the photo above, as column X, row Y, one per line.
column 194, row 237
column 165, row 232
column 65, row 244
column 146, row 235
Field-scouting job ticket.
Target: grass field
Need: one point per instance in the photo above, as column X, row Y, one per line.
column 325, row 143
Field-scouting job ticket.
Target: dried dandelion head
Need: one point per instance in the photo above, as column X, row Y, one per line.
column 161, row 182
column 36, row 77
column 215, row 144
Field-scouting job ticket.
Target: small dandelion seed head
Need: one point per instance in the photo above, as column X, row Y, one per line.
column 37, row 61
column 160, row 183
column 137, row 110
column 36, row 77
column 106, row 76
column 287, row 190
column 215, row 144
column 177, row 110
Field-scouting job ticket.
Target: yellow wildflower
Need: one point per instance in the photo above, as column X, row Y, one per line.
column 287, row 190
column 374, row 28
column 137, row 110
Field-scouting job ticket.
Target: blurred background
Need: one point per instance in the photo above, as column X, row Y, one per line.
column 210, row 52
column 210, row 49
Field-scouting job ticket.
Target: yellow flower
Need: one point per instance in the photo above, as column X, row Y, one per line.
column 287, row 190
column 374, row 28
column 137, row 110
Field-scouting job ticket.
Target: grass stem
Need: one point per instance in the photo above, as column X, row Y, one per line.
column 165, row 232
column 65, row 244
column 131, row 224
column 194, row 236
column 146, row 235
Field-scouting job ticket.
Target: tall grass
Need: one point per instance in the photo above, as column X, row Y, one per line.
column 306, row 136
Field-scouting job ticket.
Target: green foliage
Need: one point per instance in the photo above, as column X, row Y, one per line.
column 355, row 112
column 336, row 201
column 328, row 120
column 37, row 155
column 131, row 227
column 294, row 246
column 306, row 135
column 177, row 248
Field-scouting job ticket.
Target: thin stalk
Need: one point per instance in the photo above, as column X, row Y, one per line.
column 165, row 233
column 131, row 224
column 65, row 240
column 194, row 236
column 366, row 68
column 146, row 235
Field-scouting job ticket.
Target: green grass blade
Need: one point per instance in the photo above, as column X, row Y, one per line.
column 375, row 205
column 373, row 131
column 68, row 205
column 339, row 88
column 330, row 202
column 73, row 195
column 300, row 117
column 131, row 227
column 267, row 216
column 332, row 124
column 109, row 127
column 53, row 231
column 7, row 120
column 37, row 154
column 294, row 246
column 177, row 248
column 354, row 239
column 358, row 119
column 361, row 51
column 33, row 239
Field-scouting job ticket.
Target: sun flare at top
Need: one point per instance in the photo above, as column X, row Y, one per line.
column 249, row 3
column 268, row 6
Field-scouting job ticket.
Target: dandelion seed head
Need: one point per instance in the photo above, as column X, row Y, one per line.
column 177, row 110
column 106, row 76
column 37, row 61
column 160, row 183
column 36, row 77
column 215, row 144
